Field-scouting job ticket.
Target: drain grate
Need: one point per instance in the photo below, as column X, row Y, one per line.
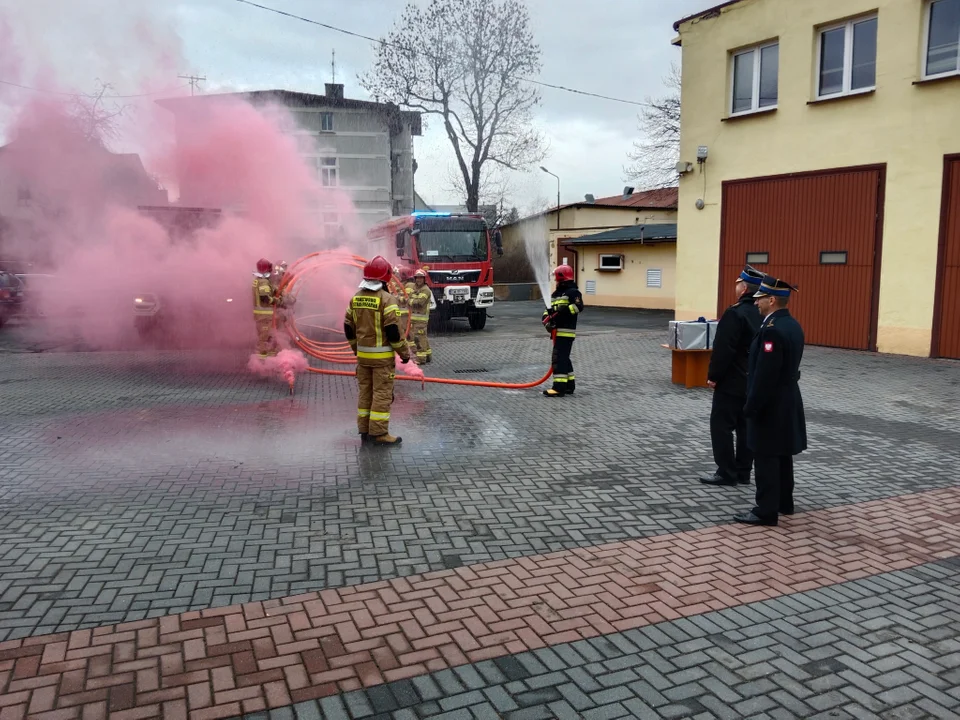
column 470, row 371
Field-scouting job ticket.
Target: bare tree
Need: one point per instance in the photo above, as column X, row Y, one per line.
column 655, row 154
column 463, row 61
column 97, row 116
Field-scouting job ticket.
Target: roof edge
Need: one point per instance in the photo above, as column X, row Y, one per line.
column 414, row 117
column 583, row 204
column 704, row 13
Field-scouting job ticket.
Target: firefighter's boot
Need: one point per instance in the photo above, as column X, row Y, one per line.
column 553, row 393
column 387, row 439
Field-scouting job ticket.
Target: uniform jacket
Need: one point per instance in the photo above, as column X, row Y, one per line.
column 566, row 303
column 263, row 299
column 419, row 302
column 731, row 347
column 775, row 421
column 371, row 327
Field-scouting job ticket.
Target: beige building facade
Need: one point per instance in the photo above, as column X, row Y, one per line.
column 828, row 135
column 559, row 239
column 629, row 267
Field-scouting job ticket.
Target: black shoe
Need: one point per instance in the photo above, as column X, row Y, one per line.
column 715, row 479
column 787, row 512
column 748, row 518
column 743, row 481
column 364, row 438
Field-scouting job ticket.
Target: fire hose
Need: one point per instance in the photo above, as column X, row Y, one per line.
column 340, row 352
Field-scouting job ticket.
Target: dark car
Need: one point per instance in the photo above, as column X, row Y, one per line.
column 11, row 296
column 38, row 294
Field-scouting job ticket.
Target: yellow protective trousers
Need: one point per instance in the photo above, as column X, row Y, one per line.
column 375, row 398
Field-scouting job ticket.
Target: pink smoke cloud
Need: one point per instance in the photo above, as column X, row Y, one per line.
column 284, row 365
column 410, row 368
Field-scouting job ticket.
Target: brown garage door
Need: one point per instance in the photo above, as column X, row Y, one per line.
column 819, row 231
column 946, row 317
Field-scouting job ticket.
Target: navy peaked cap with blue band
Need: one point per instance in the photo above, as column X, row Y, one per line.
column 772, row 286
column 750, row 275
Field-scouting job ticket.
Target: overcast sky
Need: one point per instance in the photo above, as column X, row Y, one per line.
column 611, row 47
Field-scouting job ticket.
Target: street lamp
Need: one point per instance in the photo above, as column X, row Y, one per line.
column 558, row 193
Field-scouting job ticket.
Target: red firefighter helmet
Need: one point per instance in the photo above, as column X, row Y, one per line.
column 563, row 273
column 378, row 269
column 264, row 265
column 420, row 273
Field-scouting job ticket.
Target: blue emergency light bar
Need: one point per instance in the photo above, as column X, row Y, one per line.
column 430, row 214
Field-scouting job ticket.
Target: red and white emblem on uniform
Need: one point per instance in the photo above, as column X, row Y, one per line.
column 768, row 347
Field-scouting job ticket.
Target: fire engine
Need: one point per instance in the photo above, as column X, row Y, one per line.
column 454, row 250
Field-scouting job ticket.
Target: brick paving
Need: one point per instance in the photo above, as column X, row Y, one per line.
column 224, row 661
column 139, row 486
column 884, row 647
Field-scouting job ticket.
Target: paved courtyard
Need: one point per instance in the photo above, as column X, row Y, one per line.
column 181, row 539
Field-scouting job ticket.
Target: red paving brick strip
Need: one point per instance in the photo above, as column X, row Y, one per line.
column 245, row 658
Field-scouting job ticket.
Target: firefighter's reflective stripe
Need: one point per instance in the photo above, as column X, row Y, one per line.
column 258, row 311
column 381, row 416
column 420, row 318
column 571, row 377
column 560, row 378
column 363, row 413
column 566, row 333
column 374, row 353
column 397, row 345
column 560, row 301
column 388, row 308
column 574, row 309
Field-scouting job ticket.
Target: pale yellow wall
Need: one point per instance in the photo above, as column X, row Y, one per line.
column 628, row 288
column 575, row 222
column 909, row 127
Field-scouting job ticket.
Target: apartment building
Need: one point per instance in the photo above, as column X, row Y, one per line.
column 360, row 147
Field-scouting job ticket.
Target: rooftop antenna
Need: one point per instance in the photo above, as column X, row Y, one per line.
column 333, row 67
column 194, row 81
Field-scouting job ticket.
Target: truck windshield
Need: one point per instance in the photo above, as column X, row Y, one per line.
column 452, row 245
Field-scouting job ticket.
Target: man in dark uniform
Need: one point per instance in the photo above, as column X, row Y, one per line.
column 776, row 427
column 727, row 375
column 566, row 304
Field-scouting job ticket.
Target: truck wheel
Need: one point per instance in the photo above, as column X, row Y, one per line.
column 478, row 319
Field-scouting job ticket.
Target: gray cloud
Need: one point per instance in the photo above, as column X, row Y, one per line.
column 619, row 48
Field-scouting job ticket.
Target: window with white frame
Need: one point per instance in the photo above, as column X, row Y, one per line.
column 847, row 58
column 326, row 122
column 331, row 224
column 755, row 81
column 611, row 262
column 327, row 171
column 941, row 55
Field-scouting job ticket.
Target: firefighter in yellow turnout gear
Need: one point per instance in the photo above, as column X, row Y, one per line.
column 418, row 300
column 283, row 301
column 264, row 304
column 371, row 327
